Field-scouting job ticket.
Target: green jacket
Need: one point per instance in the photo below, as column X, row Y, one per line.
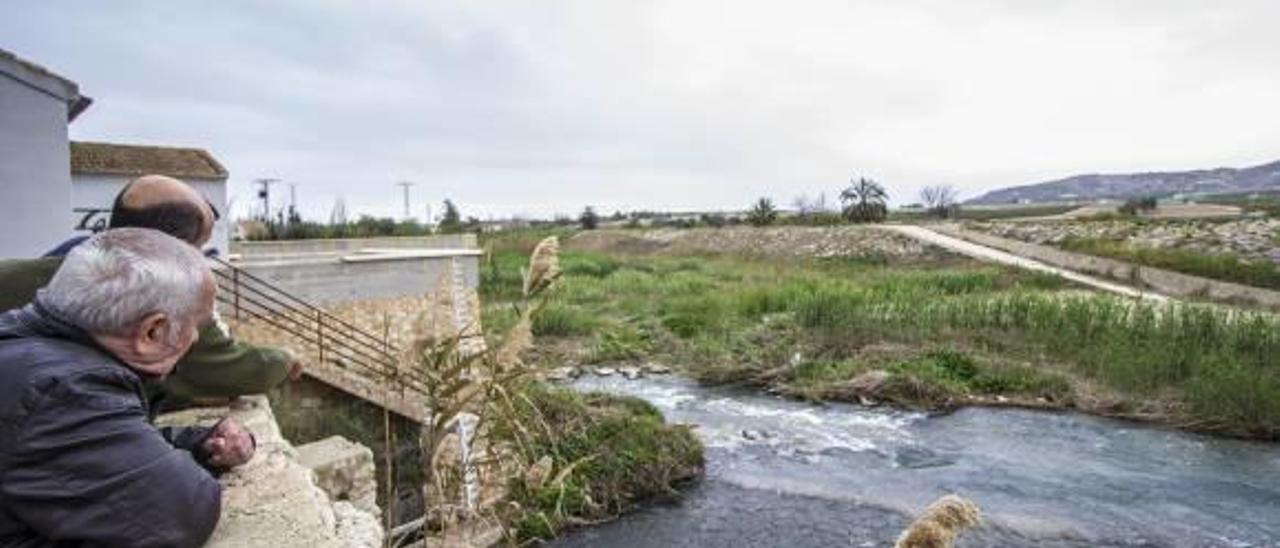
column 216, row 366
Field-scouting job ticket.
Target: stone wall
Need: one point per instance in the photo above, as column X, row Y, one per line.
column 275, row 499
column 397, row 322
column 377, row 308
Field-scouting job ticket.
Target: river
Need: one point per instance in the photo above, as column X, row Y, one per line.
column 792, row 474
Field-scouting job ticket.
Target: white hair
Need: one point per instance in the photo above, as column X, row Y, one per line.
column 110, row 282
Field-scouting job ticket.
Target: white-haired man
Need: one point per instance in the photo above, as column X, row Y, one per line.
column 80, row 464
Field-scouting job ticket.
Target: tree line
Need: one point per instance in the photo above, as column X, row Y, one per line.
column 864, row 200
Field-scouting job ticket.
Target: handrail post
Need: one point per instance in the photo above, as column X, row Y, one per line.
column 320, row 335
column 235, row 290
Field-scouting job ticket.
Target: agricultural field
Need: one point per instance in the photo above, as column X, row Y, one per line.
column 918, row 330
column 986, row 213
column 1244, row 251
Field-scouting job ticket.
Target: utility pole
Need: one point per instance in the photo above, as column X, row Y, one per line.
column 293, row 202
column 405, row 185
column 264, row 193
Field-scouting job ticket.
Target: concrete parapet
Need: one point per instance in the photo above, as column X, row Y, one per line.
column 344, row 470
column 335, row 280
column 273, row 501
column 255, row 250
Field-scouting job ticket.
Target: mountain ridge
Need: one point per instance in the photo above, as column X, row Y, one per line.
column 1098, row 186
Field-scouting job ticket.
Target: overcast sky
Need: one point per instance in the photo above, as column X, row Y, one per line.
column 543, row 106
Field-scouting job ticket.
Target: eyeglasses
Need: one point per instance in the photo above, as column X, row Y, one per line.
column 216, row 216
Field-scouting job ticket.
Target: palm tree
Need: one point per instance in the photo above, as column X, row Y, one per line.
column 763, row 213
column 589, row 219
column 864, row 201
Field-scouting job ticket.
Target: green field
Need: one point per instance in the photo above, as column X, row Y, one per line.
column 946, row 335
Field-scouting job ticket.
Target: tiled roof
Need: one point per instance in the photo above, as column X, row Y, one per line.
column 135, row 160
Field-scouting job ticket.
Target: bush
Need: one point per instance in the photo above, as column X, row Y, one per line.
column 1135, row 206
column 589, row 265
column 762, row 213
column 622, row 451
column 1232, row 396
column 688, row 317
column 620, row 344
column 558, row 320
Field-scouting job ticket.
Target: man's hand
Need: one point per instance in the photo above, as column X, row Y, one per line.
column 229, row 445
column 292, row 364
column 295, row 369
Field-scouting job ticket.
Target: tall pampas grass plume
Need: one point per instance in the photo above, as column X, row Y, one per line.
column 543, row 271
column 941, row 523
column 544, row 266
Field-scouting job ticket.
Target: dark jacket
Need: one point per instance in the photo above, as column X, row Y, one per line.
column 217, row 366
column 80, row 465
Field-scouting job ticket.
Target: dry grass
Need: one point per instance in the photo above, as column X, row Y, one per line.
column 941, row 523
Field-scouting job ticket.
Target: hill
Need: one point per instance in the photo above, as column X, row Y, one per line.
column 1088, row 188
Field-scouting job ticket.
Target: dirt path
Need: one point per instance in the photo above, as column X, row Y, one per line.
column 985, row 253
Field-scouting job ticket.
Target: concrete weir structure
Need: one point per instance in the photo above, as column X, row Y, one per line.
column 398, row 290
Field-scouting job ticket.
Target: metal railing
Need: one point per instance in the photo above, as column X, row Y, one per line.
column 335, row 340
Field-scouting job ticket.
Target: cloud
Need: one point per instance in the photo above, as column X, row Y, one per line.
column 541, row 107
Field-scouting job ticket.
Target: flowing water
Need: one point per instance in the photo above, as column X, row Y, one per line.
column 786, row 473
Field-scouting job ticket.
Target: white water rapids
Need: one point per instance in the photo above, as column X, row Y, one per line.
column 787, row 473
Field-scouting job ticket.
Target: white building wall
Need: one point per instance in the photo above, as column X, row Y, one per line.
column 93, row 191
column 35, row 178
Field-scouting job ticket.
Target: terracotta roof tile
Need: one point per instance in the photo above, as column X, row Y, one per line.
column 135, row 160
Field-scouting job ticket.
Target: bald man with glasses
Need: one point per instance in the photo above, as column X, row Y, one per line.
column 217, row 367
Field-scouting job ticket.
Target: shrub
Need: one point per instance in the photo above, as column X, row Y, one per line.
column 593, row 266
column 558, row 320
column 1135, row 206
column 620, row 344
column 690, row 316
column 762, row 213
column 617, row 452
column 1231, row 396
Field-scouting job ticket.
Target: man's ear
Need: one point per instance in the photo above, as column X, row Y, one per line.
column 153, row 332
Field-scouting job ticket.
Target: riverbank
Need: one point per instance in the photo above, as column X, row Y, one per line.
column 921, row 331
column 605, row 455
column 782, row 472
